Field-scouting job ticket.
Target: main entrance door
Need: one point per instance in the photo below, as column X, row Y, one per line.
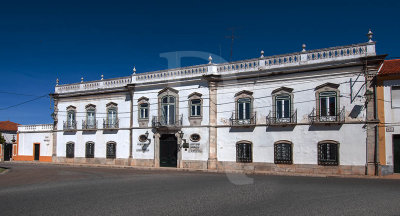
column 396, row 153
column 168, row 150
column 37, row 151
column 7, row 151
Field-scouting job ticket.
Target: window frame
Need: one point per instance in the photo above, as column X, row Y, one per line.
column 290, row 154
column 240, row 153
column 91, row 108
column 161, row 94
column 326, row 161
column 114, row 155
column 89, row 154
column 327, row 87
column 244, row 95
column 67, row 153
column 391, row 96
column 112, row 107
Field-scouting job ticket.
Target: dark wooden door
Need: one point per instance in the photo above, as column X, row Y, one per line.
column 396, row 153
column 7, row 151
column 37, row 151
column 168, row 150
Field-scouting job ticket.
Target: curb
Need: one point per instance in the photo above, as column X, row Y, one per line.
column 390, row 177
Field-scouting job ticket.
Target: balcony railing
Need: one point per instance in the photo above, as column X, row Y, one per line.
column 339, row 118
column 110, row 125
column 69, row 125
column 162, row 122
column 272, row 119
column 236, row 122
column 89, row 125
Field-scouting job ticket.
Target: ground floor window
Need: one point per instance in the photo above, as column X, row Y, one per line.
column 111, row 150
column 70, row 148
column 89, row 150
column 328, row 153
column 283, row 153
column 243, row 152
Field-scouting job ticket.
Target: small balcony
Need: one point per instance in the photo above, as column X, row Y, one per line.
column 339, row 118
column 111, row 125
column 159, row 122
column 69, row 125
column 273, row 120
column 236, row 122
column 89, row 126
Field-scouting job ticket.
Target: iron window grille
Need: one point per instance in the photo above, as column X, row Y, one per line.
column 111, row 150
column 328, row 154
column 70, row 150
column 90, row 150
column 272, row 119
column 339, row 117
column 283, row 153
column 86, row 125
column 161, row 122
column 244, row 153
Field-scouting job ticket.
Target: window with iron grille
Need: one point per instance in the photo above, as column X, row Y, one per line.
column 70, row 150
column 244, row 108
column 283, row 153
column 89, row 150
column 328, row 154
column 243, row 153
column 328, row 103
column 111, row 150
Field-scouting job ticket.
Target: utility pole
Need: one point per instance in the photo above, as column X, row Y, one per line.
column 232, row 37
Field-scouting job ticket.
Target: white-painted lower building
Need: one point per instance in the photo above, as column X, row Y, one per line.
column 35, row 142
column 305, row 112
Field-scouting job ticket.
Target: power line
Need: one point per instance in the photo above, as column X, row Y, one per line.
column 37, row 98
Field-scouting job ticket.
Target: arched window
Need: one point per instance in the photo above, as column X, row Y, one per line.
column 283, row 152
column 328, row 153
column 70, row 150
column 168, row 110
column 111, row 150
column 90, row 150
column 244, row 152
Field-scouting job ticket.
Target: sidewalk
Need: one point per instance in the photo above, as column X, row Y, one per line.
column 392, row 176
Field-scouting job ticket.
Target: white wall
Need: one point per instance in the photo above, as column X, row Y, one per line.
column 392, row 119
column 26, row 141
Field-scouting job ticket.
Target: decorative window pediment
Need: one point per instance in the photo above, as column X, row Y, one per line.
column 327, row 86
column 195, row 95
column 111, row 104
column 168, row 89
column 71, row 107
column 90, row 106
column 143, row 99
column 244, row 92
column 282, row 90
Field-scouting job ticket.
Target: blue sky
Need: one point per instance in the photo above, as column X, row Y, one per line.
column 43, row 40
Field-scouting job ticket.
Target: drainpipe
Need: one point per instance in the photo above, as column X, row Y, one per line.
column 376, row 133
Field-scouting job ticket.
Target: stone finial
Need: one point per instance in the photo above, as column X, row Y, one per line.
column 210, row 59
column 134, row 70
column 262, row 54
column 369, row 35
column 57, row 81
column 304, row 47
column 81, row 79
column 102, row 77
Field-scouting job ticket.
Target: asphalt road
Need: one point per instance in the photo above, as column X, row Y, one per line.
column 29, row 189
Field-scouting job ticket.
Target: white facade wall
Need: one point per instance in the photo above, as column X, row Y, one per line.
column 28, row 139
column 392, row 119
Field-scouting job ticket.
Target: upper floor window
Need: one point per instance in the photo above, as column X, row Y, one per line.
column 168, row 110
column 328, row 153
column 90, row 150
column 244, row 152
column 243, row 115
column 70, row 150
column 283, row 152
column 90, row 116
column 112, row 116
column 71, row 114
column 244, row 108
column 195, row 105
column 328, row 103
column 282, row 103
column 111, row 150
column 144, row 111
column 395, row 96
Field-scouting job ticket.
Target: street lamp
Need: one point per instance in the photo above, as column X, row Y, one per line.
column 185, row 144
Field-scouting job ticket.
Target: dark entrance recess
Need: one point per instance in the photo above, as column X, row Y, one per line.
column 396, row 153
column 37, row 151
column 168, row 150
column 7, row 152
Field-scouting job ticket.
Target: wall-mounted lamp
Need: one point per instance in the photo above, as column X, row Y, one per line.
column 185, row 144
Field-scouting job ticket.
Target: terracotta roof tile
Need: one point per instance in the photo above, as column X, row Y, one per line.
column 390, row 67
column 8, row 126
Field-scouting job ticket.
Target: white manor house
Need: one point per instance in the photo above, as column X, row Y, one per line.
column 311, row 111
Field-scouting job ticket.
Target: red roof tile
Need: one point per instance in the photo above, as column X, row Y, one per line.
column 8, row 126
column 390, row 67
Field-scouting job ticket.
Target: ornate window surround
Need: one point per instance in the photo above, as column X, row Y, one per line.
column 111, row 125
column 282, row 91
column 88, row 108
column 143, row 122
column 168, row 91
column 276, row 160
column 195, row 120
column 327, row 87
